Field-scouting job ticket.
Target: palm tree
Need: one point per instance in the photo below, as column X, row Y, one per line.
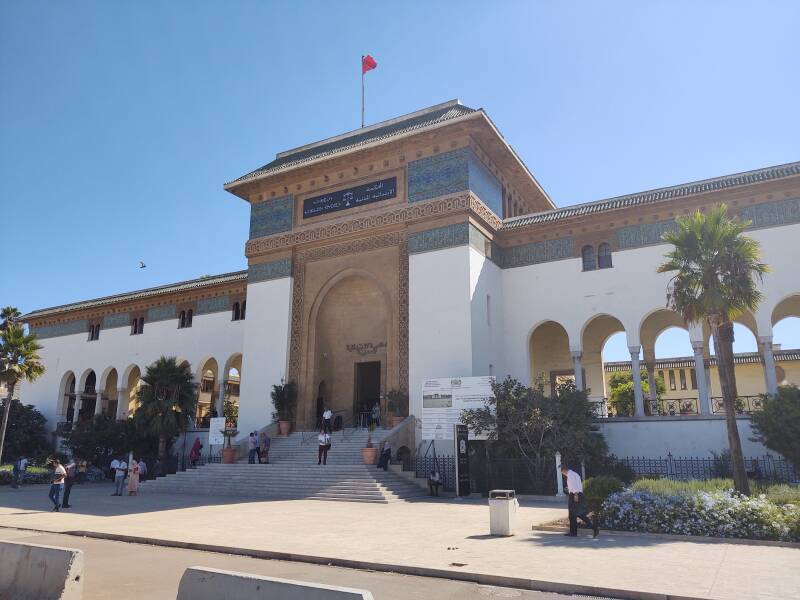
column 166, row 401
column 8, row 315
column 19, row 360
column 715, row 281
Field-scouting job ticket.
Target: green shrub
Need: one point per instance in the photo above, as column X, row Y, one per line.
column 668, row 487
column 30, row 476
column 597, row 489
column 783, row 494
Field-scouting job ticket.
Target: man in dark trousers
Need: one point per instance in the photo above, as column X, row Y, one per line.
column 576, row 505
column 69, row 480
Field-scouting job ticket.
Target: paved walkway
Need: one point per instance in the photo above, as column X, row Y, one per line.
column 451, row 535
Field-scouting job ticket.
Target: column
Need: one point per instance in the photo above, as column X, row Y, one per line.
column 576, row 361
column 769, row 364
column 220, row 405
column 122, row 404
column 650, row 365
column 98, row 403
column 637, row 381
column 701, row 375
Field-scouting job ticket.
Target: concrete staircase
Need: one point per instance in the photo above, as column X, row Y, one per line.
column 293, row 473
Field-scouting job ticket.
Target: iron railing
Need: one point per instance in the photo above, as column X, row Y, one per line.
column 674, row 406
column 767, row 467
column 745, row 405
column 446, row 465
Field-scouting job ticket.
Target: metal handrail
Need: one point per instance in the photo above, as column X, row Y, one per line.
column 744, row 404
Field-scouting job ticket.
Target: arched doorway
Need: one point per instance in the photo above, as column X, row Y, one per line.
column 550, row 359
column 208, row 375
column 348, row 348
column 66, row 413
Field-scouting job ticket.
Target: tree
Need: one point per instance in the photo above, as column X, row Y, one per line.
column 532, row 425
column 19, row 361
column 284, row 398
column 8, row 316
column 98, row 439
column 623, row 394
column 777, row 424
column 716, row 268
column 27, row 433
column 167, row 401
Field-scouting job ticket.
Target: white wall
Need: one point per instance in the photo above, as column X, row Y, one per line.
column 265, row 350
column 682, row 437
column 439, row 314
column 212, row 335
column 487, row 333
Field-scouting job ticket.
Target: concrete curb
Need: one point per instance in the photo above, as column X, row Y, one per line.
column 679, row 538
column 479, row 578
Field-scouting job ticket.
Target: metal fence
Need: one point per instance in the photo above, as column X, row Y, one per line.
column 767, row 467
column 183, row 461
column 535, row 476
column 745, row 405
column 446, row 465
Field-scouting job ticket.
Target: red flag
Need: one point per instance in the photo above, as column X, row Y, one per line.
column 367, row 63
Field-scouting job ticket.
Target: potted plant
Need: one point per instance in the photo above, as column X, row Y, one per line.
column 230, row 411
column 397, row 404
column 228, row 452
column 284, row 397
column 369, row 453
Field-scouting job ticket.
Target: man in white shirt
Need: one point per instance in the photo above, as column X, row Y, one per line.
column 326, row 420
column 252, row 447
column 59, row 473
column 576, row 505
column 120, row 468
column 324, row 445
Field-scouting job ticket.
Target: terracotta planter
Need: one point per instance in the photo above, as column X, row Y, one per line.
column 284, row 427
column 370, row 455
column 229, row 456
column 396, row 420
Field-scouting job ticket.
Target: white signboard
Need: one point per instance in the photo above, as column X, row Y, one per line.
column 444, row 399
column 215, row 427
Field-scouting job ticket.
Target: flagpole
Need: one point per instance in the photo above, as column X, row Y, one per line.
column 362, row 91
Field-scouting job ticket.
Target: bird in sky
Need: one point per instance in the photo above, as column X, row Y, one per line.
column 142, row 265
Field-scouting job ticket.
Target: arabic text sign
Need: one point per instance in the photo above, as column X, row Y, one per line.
column 215, row 427
column 350, row 197
column 444, row 399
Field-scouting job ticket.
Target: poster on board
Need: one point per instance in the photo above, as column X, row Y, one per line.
column 444, row 399
column 215, row 427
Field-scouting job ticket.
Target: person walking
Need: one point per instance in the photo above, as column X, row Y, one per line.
column 376, row 415
column 324, row 439
column 59, row 474
column 576, row 505
column 20, row 466
column 71, row 468
column 82, row 467
column 266, row 442
column 327, row 415
column 386, row 456
column 120, row 470
column 133, row 479
column 252, row 447
column 194, row 454
column 142, row 470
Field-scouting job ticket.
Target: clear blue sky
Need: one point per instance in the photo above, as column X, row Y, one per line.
column 119, row 122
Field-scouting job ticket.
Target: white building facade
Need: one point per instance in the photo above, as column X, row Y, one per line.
column 419, row 248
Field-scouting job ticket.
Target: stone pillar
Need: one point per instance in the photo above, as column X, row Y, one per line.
column 98, row 403
column 769, row 364
column 576, row 361
column 637, row 381
column 701, row 375
column 122, row 404
column 220, row 404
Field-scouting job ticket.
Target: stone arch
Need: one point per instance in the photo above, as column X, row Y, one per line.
column 594, row 335
column 132, row 382
column 66, row 397
column 208, row 377
column 107, row 392
column 549, row 355
column 351, row 297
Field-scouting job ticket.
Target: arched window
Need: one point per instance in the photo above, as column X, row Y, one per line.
column 134, row 325
column 244, row 309
column 182, row 319
column 235, row 316
column 604, row 256
column 189, row 318
column 587, row 254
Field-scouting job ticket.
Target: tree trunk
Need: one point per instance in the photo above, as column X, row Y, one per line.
column 722, row 330
column 162, row 448
column 6, row 412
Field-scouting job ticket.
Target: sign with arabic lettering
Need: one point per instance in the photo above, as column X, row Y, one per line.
column 366, row 348
column 350, row 197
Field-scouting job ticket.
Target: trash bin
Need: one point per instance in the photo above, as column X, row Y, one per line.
column 502, row 512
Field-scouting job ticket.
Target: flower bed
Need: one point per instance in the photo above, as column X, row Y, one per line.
column 712, row 514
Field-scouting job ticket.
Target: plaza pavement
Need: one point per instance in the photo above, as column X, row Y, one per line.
column 450, row 536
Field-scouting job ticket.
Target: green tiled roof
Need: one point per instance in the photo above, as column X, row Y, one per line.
column 657, row 195
column 201, row 282
column 383, row 131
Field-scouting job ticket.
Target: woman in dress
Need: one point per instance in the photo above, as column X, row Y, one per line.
column 194, row 455
column 133, row 478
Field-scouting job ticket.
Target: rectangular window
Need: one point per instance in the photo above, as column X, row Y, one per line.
column 672, row 380
column 94, row 332
column 683, row 379
column 693, row 377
